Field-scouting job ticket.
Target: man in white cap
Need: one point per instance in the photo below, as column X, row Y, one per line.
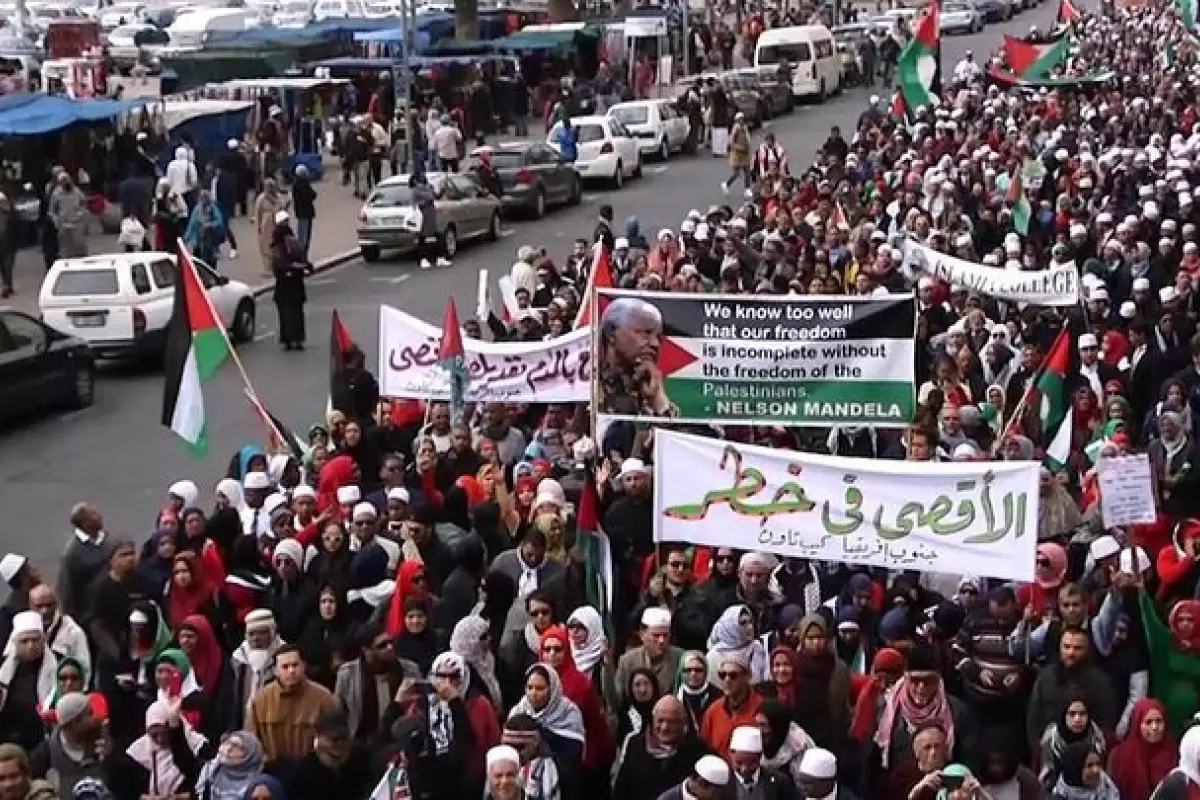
column 78, row 748
column 754, row 591
column 253, row 661
column 818, row 776
column 256, row 519
column 656, row 653
column 753, row 781
column 708, row 780
column 65, row 637
column 21, row 576
column 1093, row 371
column 503, row 765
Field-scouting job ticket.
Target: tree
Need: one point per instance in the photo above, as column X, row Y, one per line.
column 466, row 20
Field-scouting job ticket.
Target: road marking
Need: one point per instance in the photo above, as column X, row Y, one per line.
column 658, row 170
column 320, row 281
column 400, row 278
column 507, row 232
column 265, row 335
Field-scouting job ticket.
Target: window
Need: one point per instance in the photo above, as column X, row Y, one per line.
column 540, row 154
column 792, row 52
column 390, row 196
column 464, row 186
column 163, row 272
column 824, row 48
column 208, row 277
column 631, row 115
column 86, row 283
column 23, row 333
column 590, row 133
column 141, row 279
column 618, row 129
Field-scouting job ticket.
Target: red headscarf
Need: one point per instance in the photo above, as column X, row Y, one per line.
column 183, row 602
column 785, row 692
column 206, row 657
column 525, row 483
column 866, row 708
column 1136, row 766
column 575, row 685
column 1191, row 642
column 405, row 589
column 337, row 472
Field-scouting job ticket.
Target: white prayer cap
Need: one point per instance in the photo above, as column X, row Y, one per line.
column 695, row 215
column 303, row 490
column 399, row 494
column 1133, row 561
column 502, row 754
column 1104, row 547
column 1141, row 284
column 233, row 144
column 27, row 622
column 1166, row 294
column 259, row 617
column 10, row 565
column 364, row 511
column 746, row 740
column 633, row 466
column 1078, row 230
column 1087, row 340
column 620, row 244
column 1099, row 293
column 347, row 495
column 965, row 451
column 688, row 226
column 665, row 233
column 656, row 617
column 273, row 502
column 290, row 549
column 702, row 232
column 754, row 559
column 281, row 216
column 818, row 763
column 547, row 499
column 137, row 617
column 1128, row 310
column 713, row 770
column 256, row 480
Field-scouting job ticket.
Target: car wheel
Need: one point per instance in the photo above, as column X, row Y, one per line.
column 450, row 242
column 618, row 178
column 664, row 149
column 493, row 231
column 576, row 196
column 370, row 253
column 539, row 203
column 243, row 322
column 83, row 386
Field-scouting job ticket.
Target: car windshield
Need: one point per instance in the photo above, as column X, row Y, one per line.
column 85, row 282
column 632, row 115
column 503, row 159
column 388, row 196
column 591, row 133
column 791, row 52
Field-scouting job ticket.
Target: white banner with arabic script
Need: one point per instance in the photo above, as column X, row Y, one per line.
column 975, row 518
column 554, row 371
column 1058, row 286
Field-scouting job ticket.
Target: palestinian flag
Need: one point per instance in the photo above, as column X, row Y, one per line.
column 196, row 346
column 1187, row 14
column 1068, row 13
column 280, row 438
column 599, row 277
column 918, row 64
column 1034, row 60
column 1018, row 203
column 596, row 550
column 339, row 346
column 840, row 220
column 1007, row 79
column 453, row 358
column 1055, row 411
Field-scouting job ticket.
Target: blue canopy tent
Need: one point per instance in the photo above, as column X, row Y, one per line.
column 39, row 114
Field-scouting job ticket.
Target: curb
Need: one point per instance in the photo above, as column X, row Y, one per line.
column 321, row 266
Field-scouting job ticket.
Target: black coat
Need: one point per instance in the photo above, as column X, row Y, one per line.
column 644, row 777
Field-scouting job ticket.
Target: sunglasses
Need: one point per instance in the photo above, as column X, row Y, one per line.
column 695, row 669
column 726, row 676
column 448, row 676
column 677, row 564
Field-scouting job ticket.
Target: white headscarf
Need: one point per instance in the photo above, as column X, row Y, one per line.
column 441, row 718
column 559, row 716
column 592, row 651
column 470, row 640
column 47, row 679
column 1189, row 754
column 165, row 775
column 187, row 491
column 231, row 490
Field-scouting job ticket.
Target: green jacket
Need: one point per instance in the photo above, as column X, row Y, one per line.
column 1174, row 674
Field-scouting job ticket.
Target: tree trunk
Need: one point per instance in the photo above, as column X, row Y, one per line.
column 563, row 11
column 466, row 20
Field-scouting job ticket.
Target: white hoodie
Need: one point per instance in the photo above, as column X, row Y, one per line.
column 181, row 173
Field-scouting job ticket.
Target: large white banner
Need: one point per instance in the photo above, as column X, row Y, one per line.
column 1058, row 286
column 974, row 518
column 554, row 371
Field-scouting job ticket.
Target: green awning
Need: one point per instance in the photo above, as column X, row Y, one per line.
column 557, row 39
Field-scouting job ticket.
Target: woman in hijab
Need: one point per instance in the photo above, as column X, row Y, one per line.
column 1172, row 458
column 229, row 775
column 1001, row 772
column 559, row 719
column 784, row 742
column 1058, row 514
column 370, row 588
column 157, row 556
column 694, row 689
column 641, row 693
column 886, row 669
column 1184, row 781
column 1128, row 668
column 416, row 641
column 265, row 787
column 1048, row 578
column 471, row 639
column 337, row 472
column 734, row 633
column 822, row 686
column 1073, row 726
column 782, row 682
column 222, row 531
column 1174, row 650
column 189, row 592
column 591, row 653
column 447, row 767
column 328, row 639
column 1146, row 756
column 576, row 687
column 327, row 561
column 1083, row 777
column 210, row 668
column 167, row 756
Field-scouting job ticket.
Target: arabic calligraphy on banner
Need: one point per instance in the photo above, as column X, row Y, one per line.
column 975, row 518
column 1058, row 286
column 555, row 371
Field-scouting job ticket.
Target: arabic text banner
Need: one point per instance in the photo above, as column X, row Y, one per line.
column 556, row 371
column 1058, row 286
column 979, row 519
column 738, row 359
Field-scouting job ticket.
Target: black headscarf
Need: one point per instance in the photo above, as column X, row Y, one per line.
column 501, row 591
column 631, row 707
column 324, row 637
column 419, row 648
column 779, row 721
column 224, row 528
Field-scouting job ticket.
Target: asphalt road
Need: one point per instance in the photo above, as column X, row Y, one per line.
column 118, row 456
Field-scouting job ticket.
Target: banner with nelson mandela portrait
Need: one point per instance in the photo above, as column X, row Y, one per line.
column 754, row 359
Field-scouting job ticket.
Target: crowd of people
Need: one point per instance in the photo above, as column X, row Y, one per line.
column 407, row 610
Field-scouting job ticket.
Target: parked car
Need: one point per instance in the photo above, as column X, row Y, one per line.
column 605, row 149
column 41, row 368
column 774, row 83
column 960, row 16
column 994, row 10
column 657, row 124
column 120, row 303
column 534, row 177
column 389, row 220
column 744, row 95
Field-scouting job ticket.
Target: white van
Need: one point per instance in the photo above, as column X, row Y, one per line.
column 120, row 303
column 194, row 29
column 811, row 53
